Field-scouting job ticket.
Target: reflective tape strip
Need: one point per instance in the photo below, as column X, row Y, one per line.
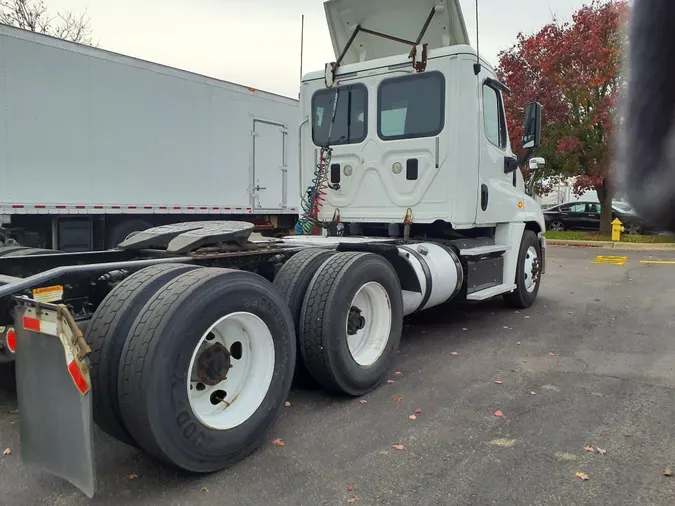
column 9, row 208
column 41, row 326
column 78, row 378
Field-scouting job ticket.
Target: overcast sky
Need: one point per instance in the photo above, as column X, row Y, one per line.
column 257, row 42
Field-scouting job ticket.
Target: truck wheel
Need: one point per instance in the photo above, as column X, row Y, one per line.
column 352, row 319
column 122, row 230
column 207, row 368
column 292, row 282
column 528, row 274
column 106, row 333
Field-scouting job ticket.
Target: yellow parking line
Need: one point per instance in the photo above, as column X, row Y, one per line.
column 658, row 262
column 610, row 260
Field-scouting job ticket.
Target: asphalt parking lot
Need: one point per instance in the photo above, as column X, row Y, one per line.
column 592, row 364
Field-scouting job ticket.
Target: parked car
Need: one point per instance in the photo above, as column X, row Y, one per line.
column 586, row 216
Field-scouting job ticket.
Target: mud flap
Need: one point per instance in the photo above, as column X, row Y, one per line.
column 54, row 393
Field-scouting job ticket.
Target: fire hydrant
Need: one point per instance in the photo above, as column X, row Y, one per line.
column 617, row 228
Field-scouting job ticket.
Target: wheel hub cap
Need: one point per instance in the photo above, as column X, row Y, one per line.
column 213, row 364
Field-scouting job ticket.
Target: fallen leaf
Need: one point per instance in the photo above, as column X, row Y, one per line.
column 398, row 398
column 517, row 312
column 565, row 456
column 551, row 354
column 363, row 401
column 133, row 476
column 390, row 381
column 418, row 411
column 454, row 353
column 518, row 343
column 412, row 417
column 398, row 447
column 287, row 404
column 205, row 490
column 583, row 476
column 571, row 293
column 492, row 314
column 527, row 317
column 498, row 382
column 667, row 472
column 351, row 500
column 349, row 488
column 589, row 449
column 8, row 451
column 601, row 451
column 533, row 393
column 499, row 413
column 397, row 373
column 506, row 326
column 278, row 442
column 465, row 329
column 503, row 443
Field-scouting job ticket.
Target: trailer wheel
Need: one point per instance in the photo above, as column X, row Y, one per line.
column 292, row 282
column 106, row 333
column 352, row 319
column 528, row 274
column 207, row 368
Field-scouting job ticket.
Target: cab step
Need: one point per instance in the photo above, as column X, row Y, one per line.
column 484, row 250
column 493, row 291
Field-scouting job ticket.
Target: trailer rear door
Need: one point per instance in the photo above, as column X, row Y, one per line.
column 269, row 165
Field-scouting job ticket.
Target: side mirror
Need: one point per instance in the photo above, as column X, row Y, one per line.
column 537, row 163
column 532, row 132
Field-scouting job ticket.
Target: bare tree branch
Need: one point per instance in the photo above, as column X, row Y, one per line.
column 34, row 15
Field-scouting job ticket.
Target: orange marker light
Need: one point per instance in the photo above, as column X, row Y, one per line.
column 520, row 204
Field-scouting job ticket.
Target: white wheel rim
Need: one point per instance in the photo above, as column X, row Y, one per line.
column 232, row 401
column 368, row 344
column 529, row 269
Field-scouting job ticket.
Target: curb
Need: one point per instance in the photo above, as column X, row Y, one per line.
column 627, row 246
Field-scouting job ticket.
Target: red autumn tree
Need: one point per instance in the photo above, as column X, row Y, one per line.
column 573, row 70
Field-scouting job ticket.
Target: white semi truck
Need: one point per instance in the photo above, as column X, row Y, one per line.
column 96, row 145
column 183, row 341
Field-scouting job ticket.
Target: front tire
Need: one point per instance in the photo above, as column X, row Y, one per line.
column 351, row 322
column 188, row 395
column 528, row 273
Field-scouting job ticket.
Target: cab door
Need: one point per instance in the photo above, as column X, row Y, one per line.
column 498, row 190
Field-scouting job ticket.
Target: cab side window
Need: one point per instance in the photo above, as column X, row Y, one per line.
column 493, row 117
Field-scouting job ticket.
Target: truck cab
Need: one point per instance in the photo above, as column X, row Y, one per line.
column 415, row 123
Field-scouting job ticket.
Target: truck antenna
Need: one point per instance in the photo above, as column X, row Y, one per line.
column 302, row 44
column 477, row 65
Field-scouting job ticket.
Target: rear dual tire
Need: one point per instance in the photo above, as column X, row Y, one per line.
column 212, row 428
column 106, row 334
column 351, row 322
column 292, row 282
column 148, row 339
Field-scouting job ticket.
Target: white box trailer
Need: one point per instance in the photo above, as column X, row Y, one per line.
column 95, row 145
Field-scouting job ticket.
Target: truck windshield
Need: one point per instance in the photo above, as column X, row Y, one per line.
column 340, row 116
